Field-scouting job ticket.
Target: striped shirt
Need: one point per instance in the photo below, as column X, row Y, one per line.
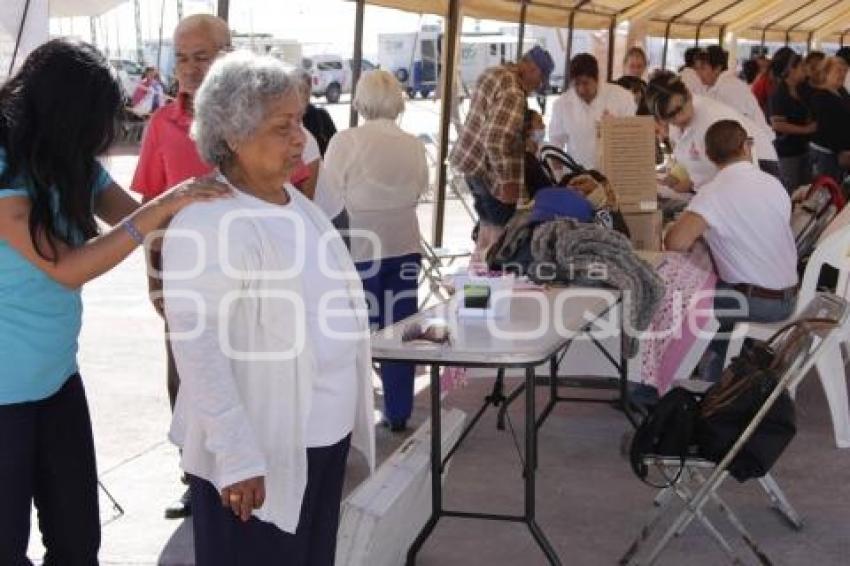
column 491, row 143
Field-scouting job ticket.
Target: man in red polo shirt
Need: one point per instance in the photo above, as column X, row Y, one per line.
column 168, row 155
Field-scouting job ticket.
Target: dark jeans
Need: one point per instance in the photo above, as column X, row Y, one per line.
column 391, row 285
column 47, row 456
column 222, row 539
column 796, row 171
column 490, row 210
column 757, row 309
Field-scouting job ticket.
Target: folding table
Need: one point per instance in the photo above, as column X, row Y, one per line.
column 541, row 324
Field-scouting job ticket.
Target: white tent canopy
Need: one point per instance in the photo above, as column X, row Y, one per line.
column 24, row 24
column 75, row 8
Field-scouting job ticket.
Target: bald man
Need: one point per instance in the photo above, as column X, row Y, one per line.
column 168, row 155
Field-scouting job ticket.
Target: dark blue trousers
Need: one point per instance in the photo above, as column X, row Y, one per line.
column 47, row 456
column 222, row 539
column 391, row 286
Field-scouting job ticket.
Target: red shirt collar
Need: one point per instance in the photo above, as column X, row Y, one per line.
column 178, row 113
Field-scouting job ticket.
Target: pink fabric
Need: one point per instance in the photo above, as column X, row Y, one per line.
column 452, row 378
column 685, row 310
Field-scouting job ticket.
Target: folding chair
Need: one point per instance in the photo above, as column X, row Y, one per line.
column 700, row 480
column 434, row 261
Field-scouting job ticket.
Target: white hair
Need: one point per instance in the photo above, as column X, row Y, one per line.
column 378, row 95
column 232, row 101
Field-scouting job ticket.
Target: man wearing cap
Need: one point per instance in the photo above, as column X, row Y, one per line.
column 577, row 112
column 490, row 149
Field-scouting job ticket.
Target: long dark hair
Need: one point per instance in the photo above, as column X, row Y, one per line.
column 57, row 114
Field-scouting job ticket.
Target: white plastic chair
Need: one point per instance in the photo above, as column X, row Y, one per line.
column 834, row 251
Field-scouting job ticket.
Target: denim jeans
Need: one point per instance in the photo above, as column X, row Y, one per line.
column 391, row 284
column 755, row 309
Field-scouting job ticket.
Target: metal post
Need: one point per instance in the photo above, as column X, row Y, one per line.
column 223, row 11
column 446, row 102
column 159, row 40
column 20, row 35
column 782, row 17
column 93, row 29
column 722, row 38
column 357, row 61
column 179, row 10
column 523, row 11
column 809, row 42
column 569, row 54
column 669, row 27
column 713, row 15
column 666, row 43
column 612, row 44
column 137, row 8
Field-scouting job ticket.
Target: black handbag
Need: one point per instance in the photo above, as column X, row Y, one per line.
column 729, row 406
column 668, row 430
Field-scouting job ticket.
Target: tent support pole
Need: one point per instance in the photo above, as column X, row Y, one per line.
column 446, row 101
column 223, row 10
column 523, row 12
column 612, row 44
column 357, row 60
column 569, row 54
column 19, row 37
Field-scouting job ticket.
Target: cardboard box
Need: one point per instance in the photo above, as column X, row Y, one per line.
column 645, row 229
column 626, row 149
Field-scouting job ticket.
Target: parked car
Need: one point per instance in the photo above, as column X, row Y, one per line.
column 332, row 75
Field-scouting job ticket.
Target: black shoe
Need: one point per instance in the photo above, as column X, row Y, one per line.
column 180, row 509
column 395, row 426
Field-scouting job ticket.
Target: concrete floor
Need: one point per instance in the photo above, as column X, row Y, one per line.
column 589, row 503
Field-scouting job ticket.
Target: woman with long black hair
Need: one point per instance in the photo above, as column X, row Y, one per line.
column 57, row 114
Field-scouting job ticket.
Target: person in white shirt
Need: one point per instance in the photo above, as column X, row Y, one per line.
column 577, row 112
column 689, row 75
column 269, row 328
column 723, row 85
column 744, row 216
column 689, row 118
column 380, row 172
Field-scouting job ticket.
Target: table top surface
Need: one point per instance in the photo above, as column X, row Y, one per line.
column 540, row 323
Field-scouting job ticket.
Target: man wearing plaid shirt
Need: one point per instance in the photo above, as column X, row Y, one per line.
column 489, row 152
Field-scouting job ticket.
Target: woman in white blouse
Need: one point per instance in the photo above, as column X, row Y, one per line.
column 380, row 171
column 270, row 335
column 690, row 116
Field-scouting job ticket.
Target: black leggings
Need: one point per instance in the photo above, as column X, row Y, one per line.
column 47, row 456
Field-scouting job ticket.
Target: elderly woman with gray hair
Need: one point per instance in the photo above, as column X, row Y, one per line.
column 380, row 171
column 270, row 335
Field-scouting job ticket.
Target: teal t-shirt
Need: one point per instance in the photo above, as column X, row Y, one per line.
column 40, row 319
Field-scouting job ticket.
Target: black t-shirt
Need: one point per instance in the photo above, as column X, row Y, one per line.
column 833, row 118
column 795, row 111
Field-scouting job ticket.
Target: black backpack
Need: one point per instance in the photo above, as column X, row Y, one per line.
column 683, row 424
column 668, row 430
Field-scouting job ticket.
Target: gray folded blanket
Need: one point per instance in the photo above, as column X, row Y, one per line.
column 571, row 252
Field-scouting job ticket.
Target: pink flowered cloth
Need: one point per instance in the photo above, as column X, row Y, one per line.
column 684, row 312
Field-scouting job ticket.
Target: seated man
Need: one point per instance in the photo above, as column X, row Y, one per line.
column 744, row 216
